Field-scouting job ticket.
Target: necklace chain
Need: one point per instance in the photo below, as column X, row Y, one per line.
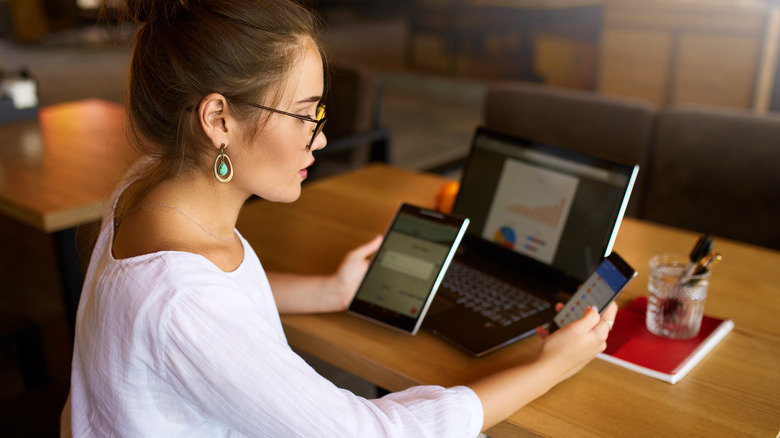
column 183, row 214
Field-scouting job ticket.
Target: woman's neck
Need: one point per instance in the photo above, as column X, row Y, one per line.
column 181, row 214
column 212, row 205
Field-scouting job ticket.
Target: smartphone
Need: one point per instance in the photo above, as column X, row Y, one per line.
column 601, row 288
column 406, row 271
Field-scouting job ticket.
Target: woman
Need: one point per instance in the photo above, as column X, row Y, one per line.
column 178, row 330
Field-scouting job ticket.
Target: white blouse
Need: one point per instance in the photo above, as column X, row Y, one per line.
column 169, row 345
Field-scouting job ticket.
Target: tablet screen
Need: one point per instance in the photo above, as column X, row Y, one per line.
column 406, row 271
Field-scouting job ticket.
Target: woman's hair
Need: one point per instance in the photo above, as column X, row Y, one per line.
column 187, row 49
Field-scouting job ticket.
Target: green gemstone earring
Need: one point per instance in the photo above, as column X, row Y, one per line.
column 223, row 168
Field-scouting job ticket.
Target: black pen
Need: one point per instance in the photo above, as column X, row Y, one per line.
column 700, row 250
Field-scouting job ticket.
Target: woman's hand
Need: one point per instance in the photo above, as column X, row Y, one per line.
column 295, row 293
column 573, row 346
column 563, row 353
column 353, row 268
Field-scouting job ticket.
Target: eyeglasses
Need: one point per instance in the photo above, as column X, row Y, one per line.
column 319, row 122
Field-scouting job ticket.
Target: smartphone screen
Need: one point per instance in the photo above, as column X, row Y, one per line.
column 408, row 267
column 601, row 288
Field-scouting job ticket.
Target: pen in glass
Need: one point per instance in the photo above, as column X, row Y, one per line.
column 707, row 263
column 700, row 250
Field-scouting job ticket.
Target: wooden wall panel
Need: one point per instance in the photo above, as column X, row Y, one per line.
column 673, row 51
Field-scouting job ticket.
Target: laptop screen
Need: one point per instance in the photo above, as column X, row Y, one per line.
column 555, row 206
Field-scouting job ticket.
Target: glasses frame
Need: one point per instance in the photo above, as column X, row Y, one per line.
column 319, row 123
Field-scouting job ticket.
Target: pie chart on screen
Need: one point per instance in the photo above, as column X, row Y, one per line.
column 505, row 236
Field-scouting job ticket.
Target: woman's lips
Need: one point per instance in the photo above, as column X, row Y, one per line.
column 304, row 173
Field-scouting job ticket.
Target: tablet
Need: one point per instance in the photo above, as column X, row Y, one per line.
column 407, row 269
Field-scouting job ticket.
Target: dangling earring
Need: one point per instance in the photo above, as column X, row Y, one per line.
column 223, row 168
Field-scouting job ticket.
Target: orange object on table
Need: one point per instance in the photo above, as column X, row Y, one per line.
column 445, row 197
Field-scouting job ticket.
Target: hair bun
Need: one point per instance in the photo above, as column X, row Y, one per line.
column 147, row 11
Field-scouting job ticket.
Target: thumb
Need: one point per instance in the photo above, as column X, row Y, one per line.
column 367, row 249
column 591, row 317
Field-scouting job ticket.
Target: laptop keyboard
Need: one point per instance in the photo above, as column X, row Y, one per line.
column 492, row 298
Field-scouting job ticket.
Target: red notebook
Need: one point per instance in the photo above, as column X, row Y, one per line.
column 632, row 346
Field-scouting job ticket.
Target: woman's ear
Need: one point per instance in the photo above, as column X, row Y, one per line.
column 214, row 117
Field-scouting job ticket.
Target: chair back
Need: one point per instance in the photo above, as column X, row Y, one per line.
column 611, row 127
column 715, row 170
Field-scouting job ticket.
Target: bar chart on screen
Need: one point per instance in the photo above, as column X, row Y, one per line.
column 546, row 214
column 529, row 210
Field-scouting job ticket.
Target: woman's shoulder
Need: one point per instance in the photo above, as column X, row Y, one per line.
column 159, row 273
column 150, row 287
column 171, row 273
column 170, row 268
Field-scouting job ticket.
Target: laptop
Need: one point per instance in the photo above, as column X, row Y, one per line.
column 542, row 219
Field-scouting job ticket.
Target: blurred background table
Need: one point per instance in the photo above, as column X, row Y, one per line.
column 57, row 173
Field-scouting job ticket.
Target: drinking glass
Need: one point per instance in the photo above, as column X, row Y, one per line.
column 675, row 305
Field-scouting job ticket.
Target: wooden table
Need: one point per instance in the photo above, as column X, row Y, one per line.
column 57, row 172
column 734, row 391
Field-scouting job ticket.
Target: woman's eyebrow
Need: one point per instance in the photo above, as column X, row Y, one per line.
column 310, row 99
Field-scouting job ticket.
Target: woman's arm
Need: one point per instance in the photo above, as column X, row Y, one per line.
column 563, row 354
column 230, row 366
column 317, row 294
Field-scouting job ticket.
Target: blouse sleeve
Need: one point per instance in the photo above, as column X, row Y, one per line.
column 232, row 368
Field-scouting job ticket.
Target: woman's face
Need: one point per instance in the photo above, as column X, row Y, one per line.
column 273, row 164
